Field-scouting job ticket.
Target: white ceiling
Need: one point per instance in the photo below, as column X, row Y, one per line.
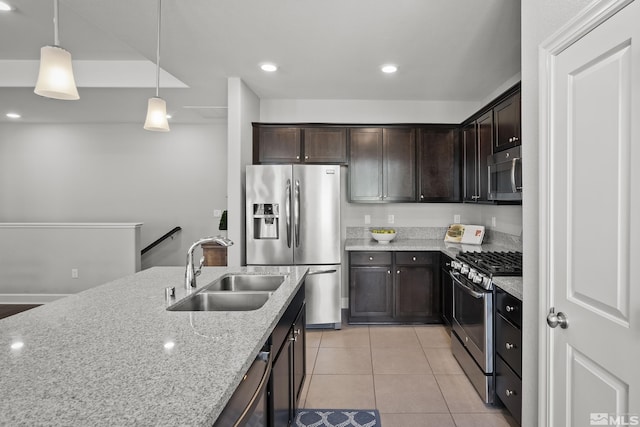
column 459, row 50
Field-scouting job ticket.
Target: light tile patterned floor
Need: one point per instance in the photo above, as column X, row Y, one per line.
column 406, row 372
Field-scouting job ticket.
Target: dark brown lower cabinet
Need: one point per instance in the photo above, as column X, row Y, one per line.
column 394, row 287
column 509, row 352
column 288, row 369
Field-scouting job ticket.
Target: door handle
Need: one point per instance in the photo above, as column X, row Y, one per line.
column 554, row 320
column 296, row 213
column 287, row 212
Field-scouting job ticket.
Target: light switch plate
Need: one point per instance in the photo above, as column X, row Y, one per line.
column 391, row 219
column 456, row 219
column 367, row 219
column 217, row 213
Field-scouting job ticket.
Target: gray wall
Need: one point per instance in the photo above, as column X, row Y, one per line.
column 117, row 173
column 540, row 19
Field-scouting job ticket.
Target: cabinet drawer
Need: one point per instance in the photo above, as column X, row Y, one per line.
column 509, row 343
column 370, row 258
column 417, row 258
column 509, row 389
column 509, row 306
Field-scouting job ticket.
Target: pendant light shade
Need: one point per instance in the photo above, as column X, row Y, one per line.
column 157, row 107
column 157, row 115
column 55, row 78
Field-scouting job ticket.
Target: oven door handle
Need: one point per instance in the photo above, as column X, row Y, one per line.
column 466, row 288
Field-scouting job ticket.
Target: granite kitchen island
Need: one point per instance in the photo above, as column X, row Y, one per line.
column 113, row 355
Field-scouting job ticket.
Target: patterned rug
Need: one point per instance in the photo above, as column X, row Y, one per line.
column 337, row 418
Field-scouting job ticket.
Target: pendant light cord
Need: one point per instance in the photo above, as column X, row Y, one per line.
column 158, row 49
column 56, row 38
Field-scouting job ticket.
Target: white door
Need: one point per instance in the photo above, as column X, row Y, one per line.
column 591, row 240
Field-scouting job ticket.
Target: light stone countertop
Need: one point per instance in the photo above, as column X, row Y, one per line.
column 510, row 284
column 98, row 358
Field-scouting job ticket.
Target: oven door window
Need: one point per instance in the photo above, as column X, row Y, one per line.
column 469, row 312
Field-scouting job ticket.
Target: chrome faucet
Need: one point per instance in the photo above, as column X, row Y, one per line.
column 191, row 273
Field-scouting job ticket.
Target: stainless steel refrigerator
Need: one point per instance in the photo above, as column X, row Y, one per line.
column 293, row 218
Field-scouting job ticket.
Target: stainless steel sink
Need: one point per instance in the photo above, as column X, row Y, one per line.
column 232, row 292
column 245, row 282
column 222, row 301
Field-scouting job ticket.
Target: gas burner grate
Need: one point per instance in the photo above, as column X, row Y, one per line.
column 494, row 263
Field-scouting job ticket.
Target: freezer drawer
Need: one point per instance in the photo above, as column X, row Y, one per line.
column 323, row 296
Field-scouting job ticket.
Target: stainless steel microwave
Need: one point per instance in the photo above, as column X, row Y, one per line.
column 505, row 175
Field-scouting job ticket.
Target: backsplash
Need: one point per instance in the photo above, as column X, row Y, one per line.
column 509, row 241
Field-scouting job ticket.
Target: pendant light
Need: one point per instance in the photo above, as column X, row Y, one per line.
column 157, row 107
column 55, row 78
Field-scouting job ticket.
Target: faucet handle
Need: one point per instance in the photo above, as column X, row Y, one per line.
column 199, row 270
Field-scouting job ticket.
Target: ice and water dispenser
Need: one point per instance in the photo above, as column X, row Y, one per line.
column 266, row 219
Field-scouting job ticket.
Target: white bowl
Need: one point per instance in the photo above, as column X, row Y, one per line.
column 383, row 237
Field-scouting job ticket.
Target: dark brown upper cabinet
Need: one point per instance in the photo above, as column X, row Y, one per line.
column 477, row 138
column 507, row 123
column 298, row 144
column 325, row 145
column 439, row 160
column 382, row 164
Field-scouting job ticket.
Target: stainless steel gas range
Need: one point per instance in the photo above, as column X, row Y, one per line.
column 472, row 332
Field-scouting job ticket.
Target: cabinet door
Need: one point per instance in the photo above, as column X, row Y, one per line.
column 439, row 165
column 278, row 145
column 325, row 145
column 469, row 168
column 507, row 123
column 365, row 165
column 416, row 287
column 281, row 387
column 485, row 147
column 299, row 359
column 399, row 165
column 370, row 293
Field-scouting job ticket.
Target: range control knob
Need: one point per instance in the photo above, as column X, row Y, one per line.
column 456, row 265
column 464, row 269
column 477, row 279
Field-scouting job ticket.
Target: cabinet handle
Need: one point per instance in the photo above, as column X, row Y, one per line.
column 306, row 157
column 510, row 309
column 509, row 393
column 422, row 197
column 297, row 157
column 398, row 272
column 515, row 138
column 388, row 271
column 370, row 258
column 509, row 346
column 414, row 258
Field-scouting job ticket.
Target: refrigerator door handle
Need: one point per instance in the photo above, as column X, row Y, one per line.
column 287, row 212
column 313, row 273
column 296, row 213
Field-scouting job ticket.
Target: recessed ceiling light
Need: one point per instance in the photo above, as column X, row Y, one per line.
column 269, row 67
column 389, row 68
column 5, row 7
column 13, row 115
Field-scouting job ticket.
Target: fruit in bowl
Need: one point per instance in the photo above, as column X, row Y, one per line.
column 383, row 235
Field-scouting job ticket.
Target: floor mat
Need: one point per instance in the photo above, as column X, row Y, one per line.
column 337, row 418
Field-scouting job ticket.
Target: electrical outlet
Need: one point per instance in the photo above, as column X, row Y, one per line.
column 74, row 273
column 367, row 219
column 217, row 213
column 456, row 219
column 493, row 221
column 391, row 219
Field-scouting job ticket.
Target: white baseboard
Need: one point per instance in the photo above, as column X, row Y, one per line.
column 30, row 298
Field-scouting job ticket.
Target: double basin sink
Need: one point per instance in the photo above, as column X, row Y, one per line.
column 232, row 292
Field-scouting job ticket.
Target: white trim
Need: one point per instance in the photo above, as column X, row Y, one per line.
column 30, row 225
column 30, row 298
column 591, row 17
column 345, row 302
